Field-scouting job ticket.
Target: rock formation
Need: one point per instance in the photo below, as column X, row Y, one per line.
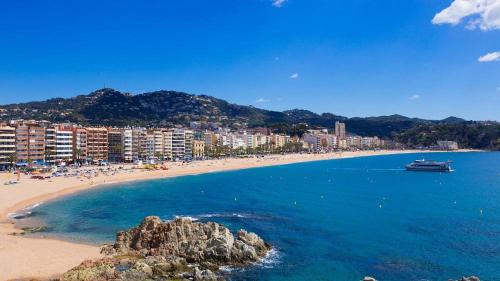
column 175, row 250
column 196, row 242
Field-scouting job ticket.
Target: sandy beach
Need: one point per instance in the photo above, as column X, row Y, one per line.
column 22, row 257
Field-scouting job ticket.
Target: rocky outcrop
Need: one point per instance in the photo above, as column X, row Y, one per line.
column 175, row 250
column 204, row 243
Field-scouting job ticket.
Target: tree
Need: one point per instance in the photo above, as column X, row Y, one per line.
column 12, row 159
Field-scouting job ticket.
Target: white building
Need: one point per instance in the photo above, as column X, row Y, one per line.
column 64, row 144
column 127, row 145
column 7, row 145
column 178, row 144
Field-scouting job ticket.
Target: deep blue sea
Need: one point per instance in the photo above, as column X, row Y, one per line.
column 328, row 220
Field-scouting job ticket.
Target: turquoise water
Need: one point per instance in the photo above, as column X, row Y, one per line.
column 329, row 220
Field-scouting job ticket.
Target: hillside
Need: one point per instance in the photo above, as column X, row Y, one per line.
column 169, row 108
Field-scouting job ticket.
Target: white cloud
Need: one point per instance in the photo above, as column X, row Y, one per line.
column 278, row 3
column 483, row 14
column 262, row 100
column 294, row 76
column 414, row 97
column 489, row 57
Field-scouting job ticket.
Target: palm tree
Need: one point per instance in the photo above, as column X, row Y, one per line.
column 12, row 159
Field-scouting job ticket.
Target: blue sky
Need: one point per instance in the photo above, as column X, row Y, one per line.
column 353, row 58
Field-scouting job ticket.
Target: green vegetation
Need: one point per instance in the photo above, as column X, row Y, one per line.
column 169, row 108
column 466, row 134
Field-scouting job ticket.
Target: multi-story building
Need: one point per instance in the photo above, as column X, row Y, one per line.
column 251, row 141
column 167, row 144
column 340, row 130
column 97, row 144
column 50, row 145
column 312, row 142
column 354, row 141
column 30, row 142
column 211, row 139
column 115, row 145
column 158, row 144
column 7, row 145
column 447, row 145
column 150, row 145
column 127, row 146
column 178, row 144
column 279, row 140
column 342, row 144
column 79, row 144
column 63, row 144
column 139, row 149
column 198, row 149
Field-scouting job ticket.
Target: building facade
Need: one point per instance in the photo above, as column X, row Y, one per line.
column 97, row 144
column 64, row 144
column 7, row 146
column 115, row 145
column 30, row 143
column 340, row 131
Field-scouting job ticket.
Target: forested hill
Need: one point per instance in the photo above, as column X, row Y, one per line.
column 167, row 108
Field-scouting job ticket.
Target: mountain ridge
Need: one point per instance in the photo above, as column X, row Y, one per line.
column 170, row 108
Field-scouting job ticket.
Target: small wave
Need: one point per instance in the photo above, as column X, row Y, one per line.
column 186, row 217
column 24, row 213
column 271, row 259
column 33, row 206
column 233, row 215
column 19, row 215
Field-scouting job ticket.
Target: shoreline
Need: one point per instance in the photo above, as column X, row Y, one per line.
column 23, row 257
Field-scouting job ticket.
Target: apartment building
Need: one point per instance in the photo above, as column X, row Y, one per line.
column 63, row 144
column 158, row 144
column 447, row 145
column 178, row 144
column 127, row 146
column 340, row 131
column 79, row 144
column 167, row 144
column 251, row 141
column 7, row 145
column 198, row 148
column 150, row 145
column 115, row 145
column 279, row 140
column 30, row 142
column 97, row 144
column 354, row 141
column 50, row 145
column 139, row 149
column 211, row 139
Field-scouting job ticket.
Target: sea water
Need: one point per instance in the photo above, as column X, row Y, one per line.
column 327, row 220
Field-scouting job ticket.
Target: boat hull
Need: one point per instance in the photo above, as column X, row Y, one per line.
column 419, row 169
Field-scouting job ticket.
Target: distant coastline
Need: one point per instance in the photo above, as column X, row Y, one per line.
column 16, row 254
